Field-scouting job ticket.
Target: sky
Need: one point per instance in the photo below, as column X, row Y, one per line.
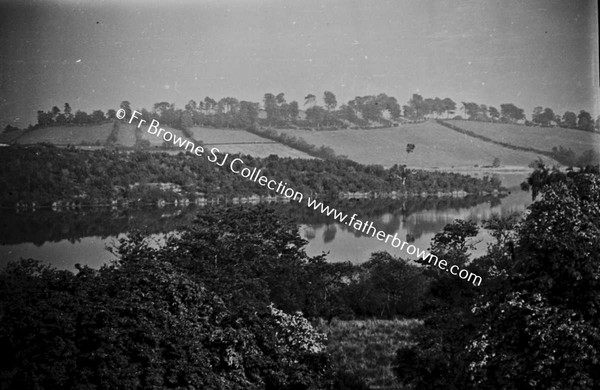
column 95, row 54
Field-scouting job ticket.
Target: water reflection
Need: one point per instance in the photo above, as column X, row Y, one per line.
column 417, row 226
column 70, row 237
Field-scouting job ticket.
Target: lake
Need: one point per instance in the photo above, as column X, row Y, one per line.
column 69, row 237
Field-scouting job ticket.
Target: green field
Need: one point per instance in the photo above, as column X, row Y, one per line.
column 63, row 135
column 226, row 140
column 223, row 136
column 11, row 136
column 126, row 135
column 435, row 146
column 241, row 141
column 533, row 137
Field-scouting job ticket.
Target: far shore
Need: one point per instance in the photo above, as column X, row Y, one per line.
column 505, row 169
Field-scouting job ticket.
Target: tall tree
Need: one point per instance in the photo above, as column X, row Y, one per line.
column 449, row 106
column 494, row 113
column 125, row 105
column 97, row 116
column 55, row 112
column 511, row 113
column 280, row 98
column 293, row 110
column 569, row 120
column 270, row 104
column 81, row 117
column 67, row 111
column 472, row 110
column 44, row 118
column 547, row 116
column 191, row 105
column 210, row 104
column 417, row 105
column 330, row 100
column 248, row 113
column 585, row 121
column 535, row 116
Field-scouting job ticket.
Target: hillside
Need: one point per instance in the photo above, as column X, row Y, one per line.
column 435, row 146
column 226, row 140
column 63, row 135
column 241, row 141
column 542, row 138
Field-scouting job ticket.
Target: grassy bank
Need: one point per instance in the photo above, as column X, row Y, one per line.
column 367, row 348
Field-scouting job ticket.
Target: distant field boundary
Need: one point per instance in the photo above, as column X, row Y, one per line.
column 244, row 143
column 486, row 139
column 299, row 144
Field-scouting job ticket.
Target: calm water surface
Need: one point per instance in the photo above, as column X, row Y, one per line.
column 67, row 238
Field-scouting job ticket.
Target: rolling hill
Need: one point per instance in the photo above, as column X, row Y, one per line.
column 435, row 147
column 63, row 135
column 226, row 140
column 542, row 138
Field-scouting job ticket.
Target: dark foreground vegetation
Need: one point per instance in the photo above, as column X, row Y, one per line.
column 218, row 307
column 46, row 174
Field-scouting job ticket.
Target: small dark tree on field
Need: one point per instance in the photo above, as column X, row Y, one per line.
column 410, row 148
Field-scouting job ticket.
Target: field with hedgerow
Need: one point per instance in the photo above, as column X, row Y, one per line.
column 542, row 138
column 241, row 141
column 435, row 146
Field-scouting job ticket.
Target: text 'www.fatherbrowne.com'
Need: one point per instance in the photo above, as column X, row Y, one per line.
column 237, row 166
column 367, row 228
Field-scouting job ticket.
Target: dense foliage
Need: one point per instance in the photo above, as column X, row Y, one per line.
column 227, row 303
column 324, row 152
column 535, row 323
column 45, row 174
column 217, row 307
column 143, row 324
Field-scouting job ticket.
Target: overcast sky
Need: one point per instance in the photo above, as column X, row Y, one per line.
column 96, row 54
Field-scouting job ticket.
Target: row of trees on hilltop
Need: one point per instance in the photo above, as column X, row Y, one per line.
column 56, row 117
column 363, row 111
column 545, row 117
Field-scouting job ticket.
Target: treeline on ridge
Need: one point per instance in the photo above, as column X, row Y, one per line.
column 361, row 112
